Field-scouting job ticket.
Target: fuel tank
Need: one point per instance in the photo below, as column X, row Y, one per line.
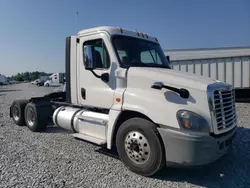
column 81, row 121
column 65, row 117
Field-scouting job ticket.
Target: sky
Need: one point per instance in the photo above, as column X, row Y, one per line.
column 32, row 33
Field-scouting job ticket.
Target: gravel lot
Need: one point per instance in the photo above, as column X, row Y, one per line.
column 55, row 159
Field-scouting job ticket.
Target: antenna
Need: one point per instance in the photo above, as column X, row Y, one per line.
column 76, row 22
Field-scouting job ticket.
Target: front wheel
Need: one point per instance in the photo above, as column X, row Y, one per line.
column 139, row 147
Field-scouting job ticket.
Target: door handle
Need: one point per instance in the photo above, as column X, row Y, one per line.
column 83, row 93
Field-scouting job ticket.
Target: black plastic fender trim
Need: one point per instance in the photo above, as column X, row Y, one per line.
column 10, row 111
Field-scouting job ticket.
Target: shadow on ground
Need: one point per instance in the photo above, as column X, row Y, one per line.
column 54, row 129
column 9, row 90
column 232, row 170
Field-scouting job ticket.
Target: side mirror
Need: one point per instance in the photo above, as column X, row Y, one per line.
column 105, row 77
column 170, row 63
column 168, row 58
column 89, row 57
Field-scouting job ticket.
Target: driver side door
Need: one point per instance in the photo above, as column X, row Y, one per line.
column 93, row 91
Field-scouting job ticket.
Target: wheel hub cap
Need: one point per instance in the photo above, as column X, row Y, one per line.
column 15, row 113
column 30, row 117
column 137, row 147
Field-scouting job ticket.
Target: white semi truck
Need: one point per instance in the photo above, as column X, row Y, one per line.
column 55, row 79
column 122, row 93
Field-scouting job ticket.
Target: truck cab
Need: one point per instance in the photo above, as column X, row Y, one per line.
column 54, row 80
column 122, row 92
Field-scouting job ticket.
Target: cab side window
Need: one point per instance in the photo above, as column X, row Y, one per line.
column 101, row 53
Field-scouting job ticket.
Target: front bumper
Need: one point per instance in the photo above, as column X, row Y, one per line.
column 191, row 150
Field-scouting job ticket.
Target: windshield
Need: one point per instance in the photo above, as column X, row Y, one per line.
column 133, row 52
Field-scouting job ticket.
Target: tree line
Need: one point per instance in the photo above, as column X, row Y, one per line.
column 28, row 76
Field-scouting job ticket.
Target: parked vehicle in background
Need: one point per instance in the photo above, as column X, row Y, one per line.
column 35, row 82
column 3, row 80
column 42, row 80
column 55, row 79
column 40, row 83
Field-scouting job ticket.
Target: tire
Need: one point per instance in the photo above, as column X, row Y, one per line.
column 36, row 117
column 17, row 111
column 140, row 137
column 47, row 85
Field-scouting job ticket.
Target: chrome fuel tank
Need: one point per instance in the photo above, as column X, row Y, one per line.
column 64, row 117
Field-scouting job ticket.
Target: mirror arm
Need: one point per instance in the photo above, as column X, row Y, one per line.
column 96, row 75
column 104, row 77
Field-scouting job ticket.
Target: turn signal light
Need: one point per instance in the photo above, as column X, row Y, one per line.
column 186, row 124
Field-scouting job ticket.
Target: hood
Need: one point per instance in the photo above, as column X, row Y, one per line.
column 144, row 77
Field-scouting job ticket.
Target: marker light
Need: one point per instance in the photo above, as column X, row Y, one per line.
column 186, row 124
column 121, row 30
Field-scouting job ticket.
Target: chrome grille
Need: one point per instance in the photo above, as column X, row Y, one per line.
column 224, row 108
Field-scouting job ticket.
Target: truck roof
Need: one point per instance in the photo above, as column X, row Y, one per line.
column 111, row 30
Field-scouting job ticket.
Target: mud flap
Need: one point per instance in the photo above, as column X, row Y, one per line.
column 10, row 111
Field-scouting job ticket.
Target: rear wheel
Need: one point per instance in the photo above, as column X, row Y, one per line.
column 36, row 117
column 139, row 146
column 17, row 111
column 47, row 85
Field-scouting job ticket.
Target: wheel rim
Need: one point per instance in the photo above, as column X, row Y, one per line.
column 30, row 117
column 137, row 147
column 15, row 113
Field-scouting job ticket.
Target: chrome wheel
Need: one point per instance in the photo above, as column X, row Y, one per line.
column 15, row 112
column 137, row 147
column 30, row 117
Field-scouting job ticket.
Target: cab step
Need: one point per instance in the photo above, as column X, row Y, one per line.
column 89, row 138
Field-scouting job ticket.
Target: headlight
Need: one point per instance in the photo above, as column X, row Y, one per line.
column 192, row 121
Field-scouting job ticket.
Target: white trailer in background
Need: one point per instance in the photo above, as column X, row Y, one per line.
column 230, row 65
column 43, row 78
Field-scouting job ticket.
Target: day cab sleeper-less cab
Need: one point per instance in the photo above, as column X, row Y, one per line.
column 122, row 93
